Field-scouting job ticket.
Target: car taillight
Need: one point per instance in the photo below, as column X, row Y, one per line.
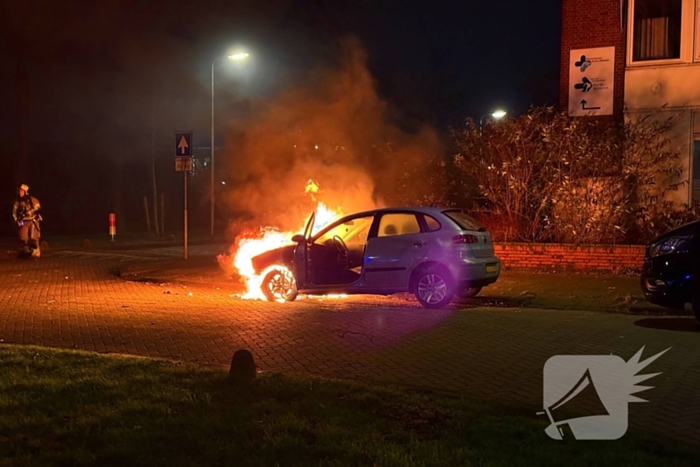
column 464, row 239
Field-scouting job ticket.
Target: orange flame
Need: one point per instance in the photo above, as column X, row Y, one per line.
column 311, row 187
column 251, row 244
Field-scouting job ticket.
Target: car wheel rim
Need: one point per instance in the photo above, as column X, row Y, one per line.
column 281, row 285
column 432, row 288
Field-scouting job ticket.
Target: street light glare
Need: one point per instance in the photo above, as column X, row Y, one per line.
column 499, row 114
column 239, row 56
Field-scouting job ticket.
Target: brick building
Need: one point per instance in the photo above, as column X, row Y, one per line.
column 626, row 57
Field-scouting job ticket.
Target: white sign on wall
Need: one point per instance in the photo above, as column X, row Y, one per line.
column 591, row 81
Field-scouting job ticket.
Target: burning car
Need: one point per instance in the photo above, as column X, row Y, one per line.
column 434, row 253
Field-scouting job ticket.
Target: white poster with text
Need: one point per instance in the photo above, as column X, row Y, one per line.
column 591, row 81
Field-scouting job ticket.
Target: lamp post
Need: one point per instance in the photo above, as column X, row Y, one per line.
column 237, row 56
column 496, row 115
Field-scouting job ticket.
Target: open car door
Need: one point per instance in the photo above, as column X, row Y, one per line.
column 301, row 254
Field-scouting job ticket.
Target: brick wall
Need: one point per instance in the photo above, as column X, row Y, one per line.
column 574, row 258
column 588, row 24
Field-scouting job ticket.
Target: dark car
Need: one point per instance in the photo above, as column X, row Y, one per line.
column 671, row 275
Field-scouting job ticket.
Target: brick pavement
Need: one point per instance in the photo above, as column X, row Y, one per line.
column 494, row 353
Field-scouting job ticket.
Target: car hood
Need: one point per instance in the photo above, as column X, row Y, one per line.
column 282, row 256
column 689, row 229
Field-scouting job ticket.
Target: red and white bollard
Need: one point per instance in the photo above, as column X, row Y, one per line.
column 112, row 224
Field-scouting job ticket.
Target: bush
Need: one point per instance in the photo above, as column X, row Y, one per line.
column 547, row 177
column 667, row 217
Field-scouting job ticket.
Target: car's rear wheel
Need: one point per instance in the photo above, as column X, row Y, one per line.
column 433, row 287
column 469, row 292
column 279, row 285
column 696, row 306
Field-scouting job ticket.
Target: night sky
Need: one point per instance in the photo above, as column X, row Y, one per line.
column 94, row 90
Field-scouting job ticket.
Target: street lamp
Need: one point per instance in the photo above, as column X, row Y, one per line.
column 496, row 115
column 236, row 57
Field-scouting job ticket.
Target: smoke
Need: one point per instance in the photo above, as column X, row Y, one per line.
column 334, row 130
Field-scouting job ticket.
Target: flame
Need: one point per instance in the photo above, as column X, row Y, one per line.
column 250, row 244
column 325, row 216
column 311, row 187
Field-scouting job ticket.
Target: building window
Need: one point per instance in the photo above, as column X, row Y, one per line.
column 697, row 33
column 696, row 159
column 696, row 169
column 657, row 30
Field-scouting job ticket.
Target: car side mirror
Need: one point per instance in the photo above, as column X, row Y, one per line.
column 298, row 238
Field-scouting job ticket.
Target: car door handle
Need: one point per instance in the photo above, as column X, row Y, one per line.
column 419, row 244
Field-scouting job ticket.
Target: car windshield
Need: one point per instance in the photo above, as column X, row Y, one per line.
column 464, row 221
column 350, row 231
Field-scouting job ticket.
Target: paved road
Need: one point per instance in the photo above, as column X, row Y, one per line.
column 138, row 255
column 75, row 301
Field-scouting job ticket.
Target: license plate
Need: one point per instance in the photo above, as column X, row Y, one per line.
column 492, row 267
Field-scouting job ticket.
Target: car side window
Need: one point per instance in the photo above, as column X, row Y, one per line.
column 398, row 224
column 432, row 223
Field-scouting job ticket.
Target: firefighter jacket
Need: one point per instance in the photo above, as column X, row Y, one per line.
column 26, row 208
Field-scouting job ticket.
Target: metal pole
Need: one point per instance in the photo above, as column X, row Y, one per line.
column 185, row 236
column 112, row 225
column 162, row 214
column 211, row 199
column 153, row 166
column 148, row 215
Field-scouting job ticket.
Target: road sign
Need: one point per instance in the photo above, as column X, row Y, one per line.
column 183, row 164
column 591, row 81
column 183, row 144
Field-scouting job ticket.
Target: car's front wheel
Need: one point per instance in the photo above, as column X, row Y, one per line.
column 434, row 287
column 279, row 286
column 469, row 292
column 696, row 306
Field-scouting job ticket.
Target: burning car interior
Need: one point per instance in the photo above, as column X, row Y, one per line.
column 337, row 254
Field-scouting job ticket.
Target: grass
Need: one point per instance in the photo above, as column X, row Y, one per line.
column 591, row 292
column 75, row 408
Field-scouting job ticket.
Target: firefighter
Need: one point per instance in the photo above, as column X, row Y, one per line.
column 25, row 212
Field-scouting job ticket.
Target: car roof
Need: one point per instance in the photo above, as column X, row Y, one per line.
column 688, row 229
column 432, row 210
